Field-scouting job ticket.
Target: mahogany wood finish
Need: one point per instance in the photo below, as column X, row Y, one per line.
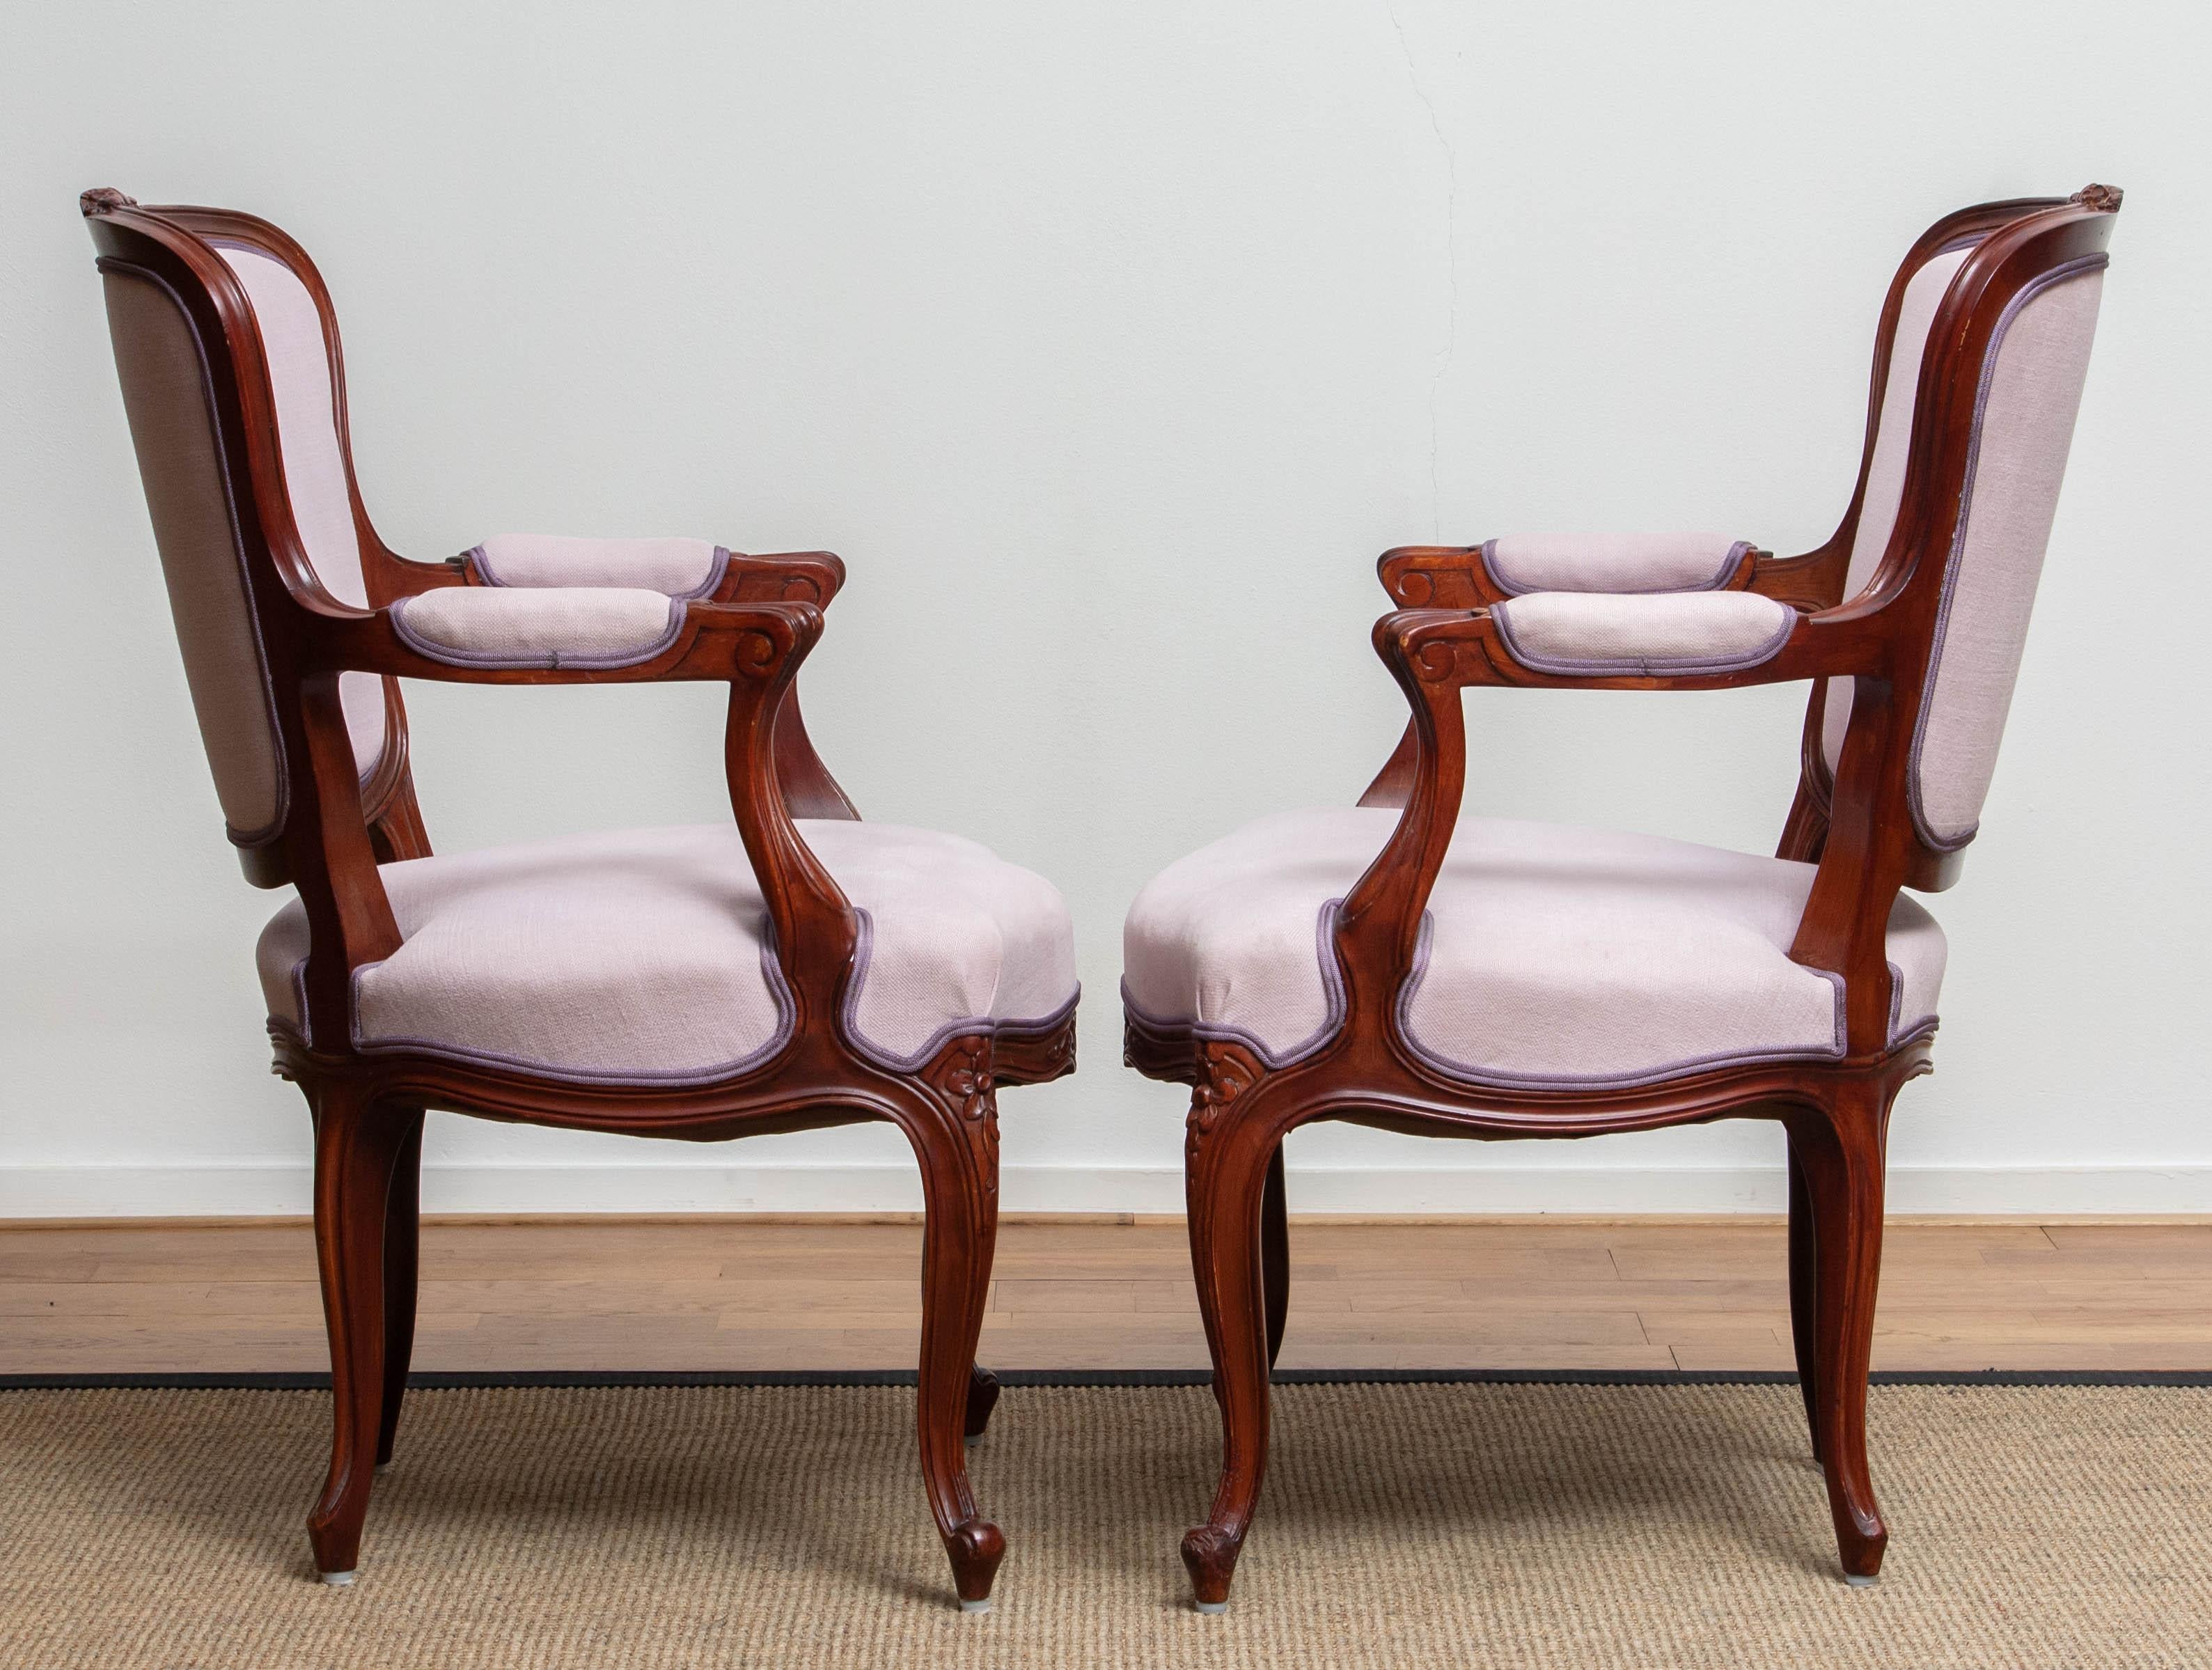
column 1860, row 831
column 1455, row 577
column 367, row 1110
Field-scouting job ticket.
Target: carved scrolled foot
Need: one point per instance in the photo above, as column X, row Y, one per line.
column 334, row 1536
column 976, row 1547
column 982, row 1399
column 1861, row 1540
column 1209, row 1554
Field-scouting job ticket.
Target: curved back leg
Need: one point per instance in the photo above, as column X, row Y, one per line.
column 403, row 1240
column 1841, row 1148
column 357, row 1145
column 1804, row 1292
column 1275, row 1254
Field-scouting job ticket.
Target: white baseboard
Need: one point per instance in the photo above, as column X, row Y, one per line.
column 279, row 1188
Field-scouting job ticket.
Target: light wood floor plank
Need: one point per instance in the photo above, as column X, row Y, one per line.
column 728, row 1294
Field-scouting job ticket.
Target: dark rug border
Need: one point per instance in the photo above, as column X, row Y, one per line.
column 280, row 1381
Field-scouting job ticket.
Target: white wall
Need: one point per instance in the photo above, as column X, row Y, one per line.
column 1109, row 343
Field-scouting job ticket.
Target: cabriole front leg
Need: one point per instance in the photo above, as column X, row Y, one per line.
column 1233, row 1144
column 955, row 1139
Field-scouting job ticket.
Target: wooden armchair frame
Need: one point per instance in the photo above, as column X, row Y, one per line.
column 1866, row 843
column 752, row 634
column 1457, row 577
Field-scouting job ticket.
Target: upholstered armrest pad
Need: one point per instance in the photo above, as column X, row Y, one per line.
column 571, row 626
column 1612, row 562
column 675, row 568
column 1601, row 634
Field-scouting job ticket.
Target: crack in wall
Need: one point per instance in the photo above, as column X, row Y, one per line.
column 1450, row 348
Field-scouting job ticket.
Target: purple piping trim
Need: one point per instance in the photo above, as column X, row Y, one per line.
column 2074, row 269
column 1332, row 985
column 716, row 569
column 1488, row 552
column 1491, row 1076
column 1898, row 1033
column 786, row 1015
column 1594, row 667
column 107, row 264
column 849, row 1013
column 552, row 659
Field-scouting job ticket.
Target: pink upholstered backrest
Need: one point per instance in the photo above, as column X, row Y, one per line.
column 2024, row 411
column 2029, row 392
column 298, row 354
column 1885, row 481
column 169, row 400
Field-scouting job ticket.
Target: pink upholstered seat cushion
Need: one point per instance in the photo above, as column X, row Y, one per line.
column 677, row 568
column 1612, row 562
column 571, row 626
column 1605, row 634
column 641, row 954
column 1553, row 955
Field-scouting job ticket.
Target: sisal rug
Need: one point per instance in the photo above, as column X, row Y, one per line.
column 1448, row 1525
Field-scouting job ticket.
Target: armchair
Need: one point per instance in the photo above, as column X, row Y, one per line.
column 793, row 969
column 1400, row 966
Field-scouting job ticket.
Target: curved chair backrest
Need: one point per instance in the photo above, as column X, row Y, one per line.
column 2024, row 389
column 214, row 314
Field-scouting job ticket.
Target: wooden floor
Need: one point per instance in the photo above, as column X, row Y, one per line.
column 733, row 1293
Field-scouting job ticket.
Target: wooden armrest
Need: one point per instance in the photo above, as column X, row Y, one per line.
column 1466, row 647
column 790, row 577
column 1466, row 576
column 708, row 641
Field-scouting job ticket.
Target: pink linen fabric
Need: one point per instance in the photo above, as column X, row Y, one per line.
column 298, row 355
column 677, row 567
column 1612, row 562
column 166, row 397
column 1553, row 955
column 1606, row 634
column 1893, row 444
column 644, row 955
column 2024, row 429
column 569, row 627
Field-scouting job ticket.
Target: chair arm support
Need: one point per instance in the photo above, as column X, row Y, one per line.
column 756, row 648
column 1436, row 654
column 816, row 932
